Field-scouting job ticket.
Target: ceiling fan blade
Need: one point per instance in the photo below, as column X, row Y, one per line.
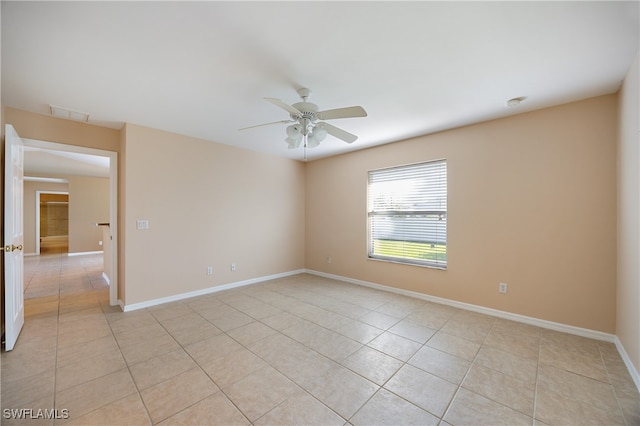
column 349, row 112
column 286, row 107
column 268, row 124
column 338, row 133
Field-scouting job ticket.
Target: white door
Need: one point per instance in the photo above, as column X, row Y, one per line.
column 13, row 237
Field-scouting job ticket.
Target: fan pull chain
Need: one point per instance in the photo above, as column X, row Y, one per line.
column 305, row 148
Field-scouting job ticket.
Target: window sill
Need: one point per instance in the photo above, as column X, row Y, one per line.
column 409, row 263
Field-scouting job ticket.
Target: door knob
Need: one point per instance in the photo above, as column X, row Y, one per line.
column 10, row 248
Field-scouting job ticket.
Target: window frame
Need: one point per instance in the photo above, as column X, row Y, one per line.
column 441, row 260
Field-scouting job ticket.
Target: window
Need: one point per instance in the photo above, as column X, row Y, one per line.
column 407, row 209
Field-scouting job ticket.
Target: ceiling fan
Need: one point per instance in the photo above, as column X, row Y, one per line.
column 307, row 127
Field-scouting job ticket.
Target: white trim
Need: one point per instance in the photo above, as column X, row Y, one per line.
column 209, row 290
column 56, row 146
column 44, row 179
column 584, row 332
column 113, row 228
column 84, row 253
column 578, row 331
column 106, row 278
column 627, row 361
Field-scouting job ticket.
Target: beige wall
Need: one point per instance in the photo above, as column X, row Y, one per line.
column 207, row 205
column 628, row 309
column 88, row 205
column 29, row 208
column 532, row 201
column 52, row 129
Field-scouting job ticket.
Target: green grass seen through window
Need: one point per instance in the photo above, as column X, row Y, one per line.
column 410, row 250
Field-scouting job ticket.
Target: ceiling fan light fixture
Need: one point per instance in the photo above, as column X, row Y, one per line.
column 320, row 131
column 312, row 141
column 305, row 116
column 294, row 141
column 294, row 130
column 317, row 135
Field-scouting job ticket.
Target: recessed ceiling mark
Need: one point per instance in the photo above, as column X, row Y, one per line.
column 68, row 114
column 515, row 101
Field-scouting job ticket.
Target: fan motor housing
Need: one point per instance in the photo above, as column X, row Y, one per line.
column 307, row 111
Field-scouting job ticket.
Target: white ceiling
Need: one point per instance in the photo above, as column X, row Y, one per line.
column 203, row 68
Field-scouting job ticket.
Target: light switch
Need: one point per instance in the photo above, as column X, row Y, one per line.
column 142, row 224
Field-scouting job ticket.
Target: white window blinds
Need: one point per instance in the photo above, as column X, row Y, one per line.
column 407, row 209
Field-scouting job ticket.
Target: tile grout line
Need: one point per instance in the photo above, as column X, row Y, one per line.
column 497, row 371
column 388, row 329
column 466, row 374
column 272, row 366
column 219, row 387
column 381, row 387
column 398, row 320
column 404, row 363
column 86, row 274
column 613, row 388
column 128, row 367
column 196, row 363
column 55, row 364
column 535, row 389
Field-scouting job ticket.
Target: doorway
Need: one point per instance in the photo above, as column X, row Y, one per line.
column 52, row 222
column 107, row 234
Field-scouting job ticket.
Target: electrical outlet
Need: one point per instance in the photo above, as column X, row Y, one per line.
column 233, row 266
column 502, row 288
column 100, row 242
column 328, row 259
column 209, row 270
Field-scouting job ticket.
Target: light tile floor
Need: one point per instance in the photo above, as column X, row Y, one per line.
column 299, row 350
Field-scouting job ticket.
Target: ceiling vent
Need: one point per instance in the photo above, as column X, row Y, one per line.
column 68, row 114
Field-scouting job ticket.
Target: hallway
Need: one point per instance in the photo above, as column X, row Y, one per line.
column 59, row 290
column 74, row 279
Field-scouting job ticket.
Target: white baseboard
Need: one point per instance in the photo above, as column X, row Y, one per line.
column 627, row 361
column 106, row 278
column 584, row 332
column 84, row 253
column 80, row 253
column 209, row 290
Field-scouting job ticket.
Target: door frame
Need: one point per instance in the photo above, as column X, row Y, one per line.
column 38, row 193
column 113, row 200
